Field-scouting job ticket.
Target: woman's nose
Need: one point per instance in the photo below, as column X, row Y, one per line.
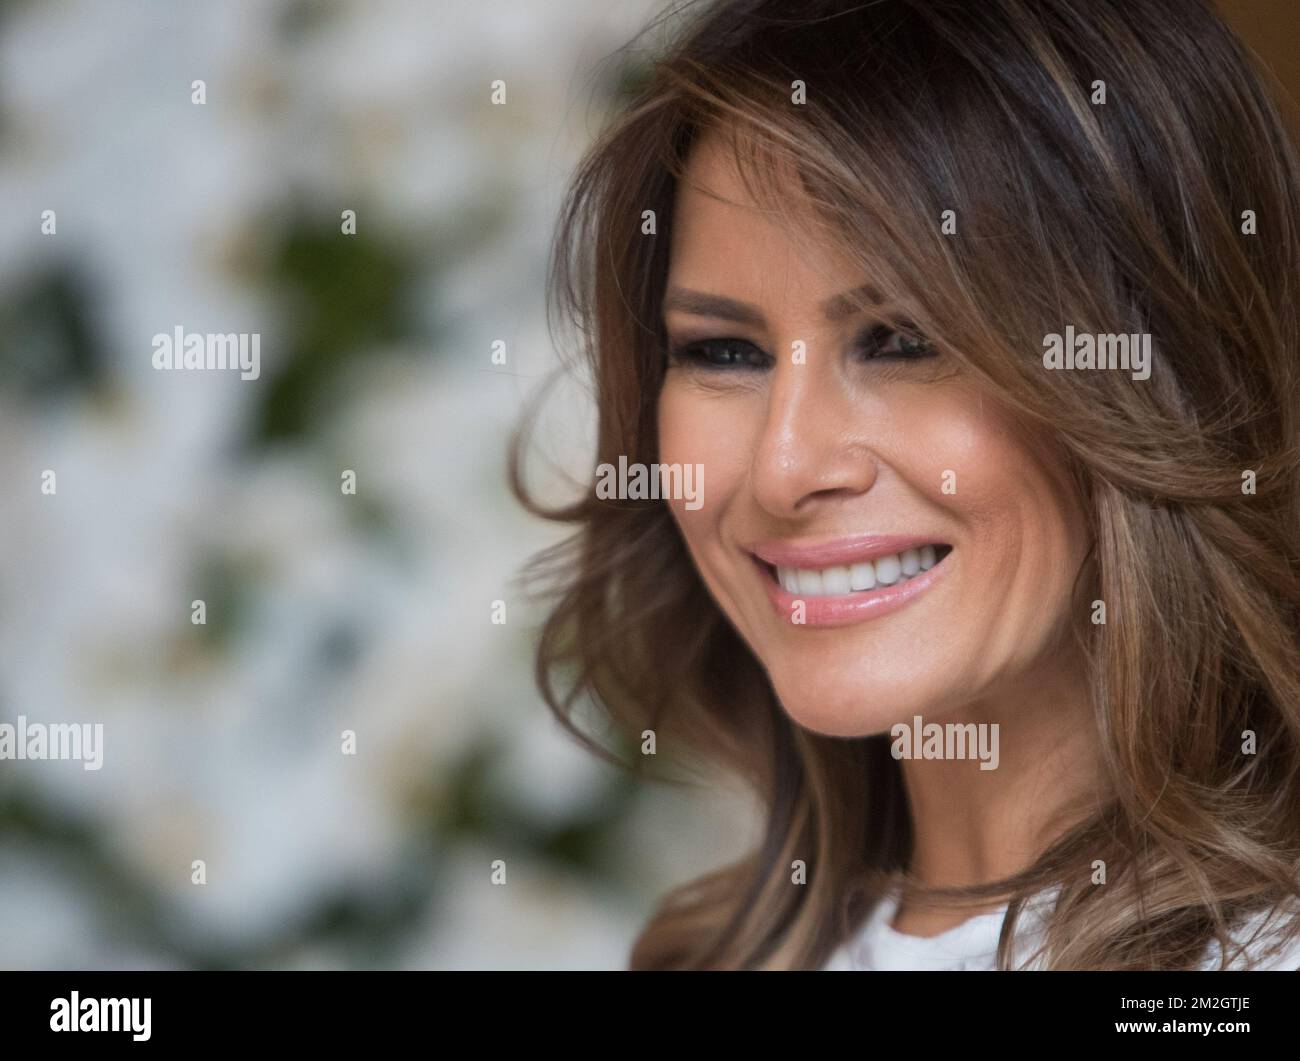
column 814, row 446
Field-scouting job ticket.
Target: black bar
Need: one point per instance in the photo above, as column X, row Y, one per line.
column 365, row 1009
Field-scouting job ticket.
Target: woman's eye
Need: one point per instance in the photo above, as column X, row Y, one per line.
column 719, row 353
column 881, row 342
column 902, row 344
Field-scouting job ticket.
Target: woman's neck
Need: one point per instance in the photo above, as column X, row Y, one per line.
column 973, row 825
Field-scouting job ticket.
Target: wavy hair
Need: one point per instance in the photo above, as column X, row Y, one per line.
column 1171, row 209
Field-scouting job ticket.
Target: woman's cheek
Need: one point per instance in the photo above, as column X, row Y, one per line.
column 946, row 447
column 714, row 437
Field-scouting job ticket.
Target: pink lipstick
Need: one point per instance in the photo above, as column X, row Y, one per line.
column 835, row 582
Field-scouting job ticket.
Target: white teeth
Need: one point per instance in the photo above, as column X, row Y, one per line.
column 889, row 569
column 855, row 578
column 810, row 582
column 835, row 581
column 862, row 576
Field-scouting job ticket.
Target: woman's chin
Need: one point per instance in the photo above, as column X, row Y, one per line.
column 851, row 712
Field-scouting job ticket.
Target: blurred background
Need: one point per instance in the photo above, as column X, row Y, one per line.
column 326, row 611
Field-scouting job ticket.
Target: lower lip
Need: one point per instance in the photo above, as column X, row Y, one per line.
column 852, row 608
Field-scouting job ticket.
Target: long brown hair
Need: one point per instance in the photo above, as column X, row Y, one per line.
column 1170, row 208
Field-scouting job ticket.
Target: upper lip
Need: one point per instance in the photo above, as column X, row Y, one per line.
column 812, row 553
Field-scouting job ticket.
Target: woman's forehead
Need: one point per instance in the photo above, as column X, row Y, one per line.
column 723, row 238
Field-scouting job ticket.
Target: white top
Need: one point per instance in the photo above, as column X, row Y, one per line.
column 972, row 945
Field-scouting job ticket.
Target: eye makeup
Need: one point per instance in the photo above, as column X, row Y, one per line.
column 878, row 342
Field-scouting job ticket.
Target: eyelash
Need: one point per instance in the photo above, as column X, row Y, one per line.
column 696, row 352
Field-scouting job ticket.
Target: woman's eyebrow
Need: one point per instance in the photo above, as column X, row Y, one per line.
column 850, row 303
column 703, row 304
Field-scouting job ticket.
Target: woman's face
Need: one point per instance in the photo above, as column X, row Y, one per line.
column 887, row 540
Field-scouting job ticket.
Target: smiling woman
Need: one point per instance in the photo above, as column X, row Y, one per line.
column 834, row 465
column 872, row 218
